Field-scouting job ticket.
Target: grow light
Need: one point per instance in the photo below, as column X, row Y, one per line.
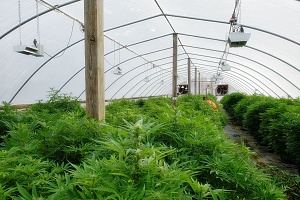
column 37, row 50
column 147, row 79
column 117, row 71
column 238, row 39
column 219, row 77
column 225, row 67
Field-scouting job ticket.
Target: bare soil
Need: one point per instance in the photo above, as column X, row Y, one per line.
column 263, row 155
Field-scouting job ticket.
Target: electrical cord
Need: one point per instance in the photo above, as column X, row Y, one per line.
column 81, row 28
column 68, row 41
column 67, row 44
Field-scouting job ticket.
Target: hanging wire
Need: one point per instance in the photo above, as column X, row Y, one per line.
column 236, row 14
column 236, row 10
column 56, row 9
column 119, row 55
column 20, row 21
column 146, row 79
column 71, row 34
column 68, row 41
column 114, row 53
column 48, row 54
column 108, row 62
column 44, row 3
column 225, row 53
column 114, row 57
column 38, row 21
column 240, row 13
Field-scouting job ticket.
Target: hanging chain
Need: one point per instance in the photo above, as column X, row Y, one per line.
column 20, row 21
column 227, row 51
column 240, row 12
column 146, row 70
column 114, row 53
column 38, row 21
column 119, row 54
column 236, row 13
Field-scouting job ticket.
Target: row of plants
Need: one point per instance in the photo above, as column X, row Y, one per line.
column 146, row 149
column 274, row 122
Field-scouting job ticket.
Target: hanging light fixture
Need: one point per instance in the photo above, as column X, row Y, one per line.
column 35, row 49
column 219, row 77
column 224, row 66
column 117, row 71
column 237, row 37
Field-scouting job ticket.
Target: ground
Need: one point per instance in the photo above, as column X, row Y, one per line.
column 263, row 155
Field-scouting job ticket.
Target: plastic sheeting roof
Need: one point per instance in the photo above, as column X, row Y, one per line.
column 138, row 39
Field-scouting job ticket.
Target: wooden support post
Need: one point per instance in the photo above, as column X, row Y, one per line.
column 189, row 76
column 175, row 54
column 195, row 90
column 199, row 84
column 94, row 59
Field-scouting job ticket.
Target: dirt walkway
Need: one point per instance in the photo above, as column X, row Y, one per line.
column 263, row 156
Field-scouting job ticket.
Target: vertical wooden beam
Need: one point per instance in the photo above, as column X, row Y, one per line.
column 189, row 76
column 195, row 81
column 94, row 59
column 199, row 84
column 175, row 76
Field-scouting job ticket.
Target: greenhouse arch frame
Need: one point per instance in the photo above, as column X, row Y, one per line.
column 143, row 30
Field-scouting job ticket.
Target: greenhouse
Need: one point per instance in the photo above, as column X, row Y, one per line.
column 132, row 99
